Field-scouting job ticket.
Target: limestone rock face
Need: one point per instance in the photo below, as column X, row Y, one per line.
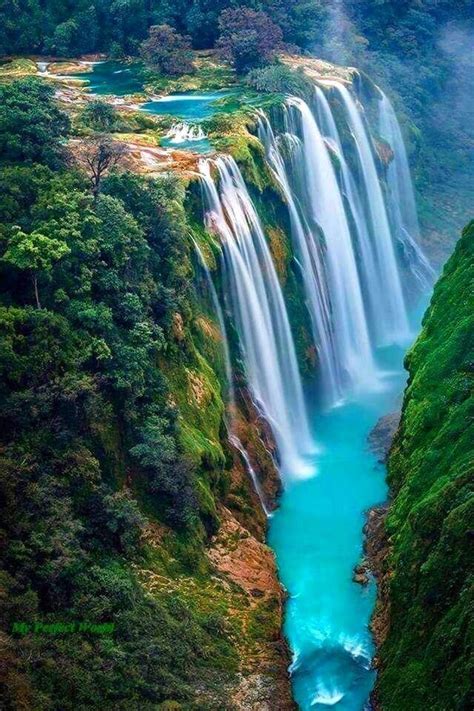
column 244, row 561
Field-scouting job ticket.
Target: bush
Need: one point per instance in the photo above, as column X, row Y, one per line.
column 280, row 79
column 99, row 115
column 31, row 125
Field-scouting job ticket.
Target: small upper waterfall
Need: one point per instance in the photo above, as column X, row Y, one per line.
column 392, row 321
column 258, row 310
column 401, row 197
column 184, row 132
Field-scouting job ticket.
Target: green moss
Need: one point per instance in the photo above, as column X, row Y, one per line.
column 425, row 661
column 197, row 393
column 16, row 69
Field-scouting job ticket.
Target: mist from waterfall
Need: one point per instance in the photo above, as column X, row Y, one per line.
column 258, row 311
column 402, row 198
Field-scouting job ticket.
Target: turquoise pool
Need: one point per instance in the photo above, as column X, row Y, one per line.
column 317, row 537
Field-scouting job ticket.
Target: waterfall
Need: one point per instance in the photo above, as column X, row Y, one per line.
column 233, row 439
column 259, row 312
column 184, row 132
column 392, row 323
column 372, row 284
column 312, row 267
column 319, row 195
column 402, row 199
column 343, row 245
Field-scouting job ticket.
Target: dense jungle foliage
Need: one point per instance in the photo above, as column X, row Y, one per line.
column 83, row 26
column 426, row 660
column 90, row 444
column 420, row 52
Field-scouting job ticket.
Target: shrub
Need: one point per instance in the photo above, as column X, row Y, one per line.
column 99, row 115
column 280, row 79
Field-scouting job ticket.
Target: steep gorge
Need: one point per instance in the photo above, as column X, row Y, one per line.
column 423, row 621
column 192, row 312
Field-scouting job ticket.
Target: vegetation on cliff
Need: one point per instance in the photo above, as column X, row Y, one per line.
column 426, row 658
column 113, row 458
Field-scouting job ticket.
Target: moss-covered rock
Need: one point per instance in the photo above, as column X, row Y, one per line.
column 425, row 658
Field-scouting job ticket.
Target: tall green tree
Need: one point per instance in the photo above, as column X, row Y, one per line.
column 167, row 51
column 35, row 253
column 248, row 38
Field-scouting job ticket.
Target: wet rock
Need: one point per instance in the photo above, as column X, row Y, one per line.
column 381, row 437
column 263, row 683
column 361, row 573
column 384, row 152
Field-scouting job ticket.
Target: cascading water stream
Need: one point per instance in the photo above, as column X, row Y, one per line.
column 184, row 132
column 259, row 312
column 392, row 322
column 321, row 200
column 371, row 277
column 235, row 441
column 311, row 266
column 402, row 199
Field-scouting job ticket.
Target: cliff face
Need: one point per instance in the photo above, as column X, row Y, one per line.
column 424, row 615
column 123, row 502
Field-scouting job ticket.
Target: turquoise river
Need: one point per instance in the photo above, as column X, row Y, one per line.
column 316, row 534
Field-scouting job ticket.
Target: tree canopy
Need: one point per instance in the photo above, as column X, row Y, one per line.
column 248, row 38
column 31, row 125
column 167, row 51
column 91, row 278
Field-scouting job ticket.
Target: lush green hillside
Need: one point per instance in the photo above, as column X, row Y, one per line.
column 425, row 659
column 114, row 462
